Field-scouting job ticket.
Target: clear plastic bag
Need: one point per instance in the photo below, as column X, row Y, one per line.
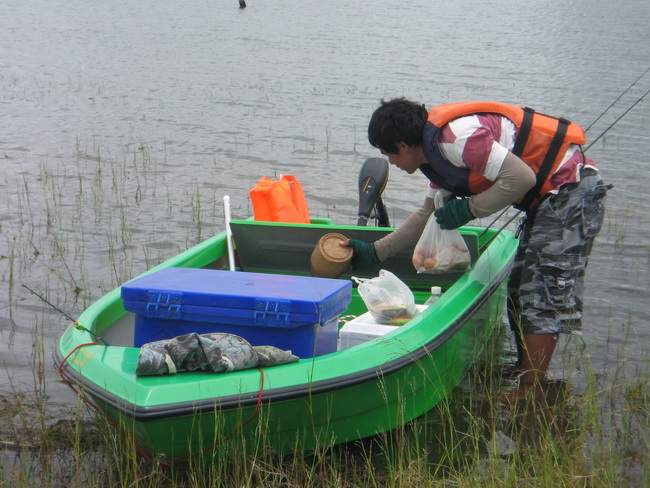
column 440, row 251
column 388, row 299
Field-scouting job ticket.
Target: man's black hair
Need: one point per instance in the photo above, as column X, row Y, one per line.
column 397, row 120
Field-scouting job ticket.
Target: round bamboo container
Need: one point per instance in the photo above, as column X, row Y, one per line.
column 329, row 259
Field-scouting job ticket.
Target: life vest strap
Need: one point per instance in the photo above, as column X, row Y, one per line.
column 523, row 132
column 547, row 164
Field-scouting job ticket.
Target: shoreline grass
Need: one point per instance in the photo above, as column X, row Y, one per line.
column 592, row 438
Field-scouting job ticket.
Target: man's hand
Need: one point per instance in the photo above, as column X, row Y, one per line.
column 364, row 253
column 454, row 214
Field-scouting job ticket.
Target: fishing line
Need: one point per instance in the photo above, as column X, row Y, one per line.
column 619, row 97
column 614, row 123
column 495, row 221
column 487, row 243
column 67, row 316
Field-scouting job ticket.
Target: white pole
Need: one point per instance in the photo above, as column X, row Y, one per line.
column 231, row 252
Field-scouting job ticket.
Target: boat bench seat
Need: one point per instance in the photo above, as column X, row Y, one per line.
column 271, row 247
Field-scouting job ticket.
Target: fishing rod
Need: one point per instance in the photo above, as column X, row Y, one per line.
column 77, row 325
column 583, row 151
column 619, row 97
column 616, row 121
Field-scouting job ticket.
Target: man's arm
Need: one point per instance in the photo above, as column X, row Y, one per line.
column 514, row 179
column 406, row 234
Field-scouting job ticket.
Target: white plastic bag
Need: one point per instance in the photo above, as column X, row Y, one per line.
column 388, row 299
column 440, row 251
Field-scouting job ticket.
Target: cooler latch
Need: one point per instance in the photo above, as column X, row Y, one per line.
column 164, row 305
column 276, row 313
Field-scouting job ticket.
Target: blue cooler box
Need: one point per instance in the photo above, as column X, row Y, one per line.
column 293, row 313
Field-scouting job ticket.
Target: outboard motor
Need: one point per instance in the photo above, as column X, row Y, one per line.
column 373, row 177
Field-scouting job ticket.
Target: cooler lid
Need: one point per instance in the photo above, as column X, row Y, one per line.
column 217, row 289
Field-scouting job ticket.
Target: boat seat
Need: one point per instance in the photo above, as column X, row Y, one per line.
column 271, row 247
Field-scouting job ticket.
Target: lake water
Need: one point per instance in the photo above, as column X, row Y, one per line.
column 124, row 123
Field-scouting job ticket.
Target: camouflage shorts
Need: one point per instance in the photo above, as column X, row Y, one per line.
column 546, row 285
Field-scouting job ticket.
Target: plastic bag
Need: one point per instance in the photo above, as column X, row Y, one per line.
column 388, row 299
column 282, row 200
column 440, row 251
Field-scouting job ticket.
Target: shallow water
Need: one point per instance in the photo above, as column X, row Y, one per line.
column 123, row 124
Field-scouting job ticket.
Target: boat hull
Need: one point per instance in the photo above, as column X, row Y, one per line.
column 315, row 403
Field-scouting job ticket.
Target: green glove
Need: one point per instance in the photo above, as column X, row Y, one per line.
column 364, row 254
column 454, row 214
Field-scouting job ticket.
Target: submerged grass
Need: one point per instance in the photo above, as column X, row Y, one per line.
column 593, row 433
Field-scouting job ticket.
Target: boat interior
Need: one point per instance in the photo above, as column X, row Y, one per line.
column 263, row 247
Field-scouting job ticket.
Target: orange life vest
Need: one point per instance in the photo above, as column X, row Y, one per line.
column 541, row 142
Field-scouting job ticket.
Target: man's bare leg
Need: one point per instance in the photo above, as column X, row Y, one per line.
column 536, row 358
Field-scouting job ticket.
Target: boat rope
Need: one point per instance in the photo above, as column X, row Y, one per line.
column 237, row 429
column 66, row 380
column 226, row 438
column 85, row 398
column 65, row 360
column 144, row 453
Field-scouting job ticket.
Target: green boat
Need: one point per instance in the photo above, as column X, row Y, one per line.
column 342, row 395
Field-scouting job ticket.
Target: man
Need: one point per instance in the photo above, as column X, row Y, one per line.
column 494, row 155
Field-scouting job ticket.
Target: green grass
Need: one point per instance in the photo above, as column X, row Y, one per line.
column 587, row 439
column 592, row 438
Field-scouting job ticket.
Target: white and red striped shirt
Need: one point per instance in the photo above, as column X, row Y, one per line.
column 481, row 142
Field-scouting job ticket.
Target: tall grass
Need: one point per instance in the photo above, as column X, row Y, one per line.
column 597, row 437
column 75, row 233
